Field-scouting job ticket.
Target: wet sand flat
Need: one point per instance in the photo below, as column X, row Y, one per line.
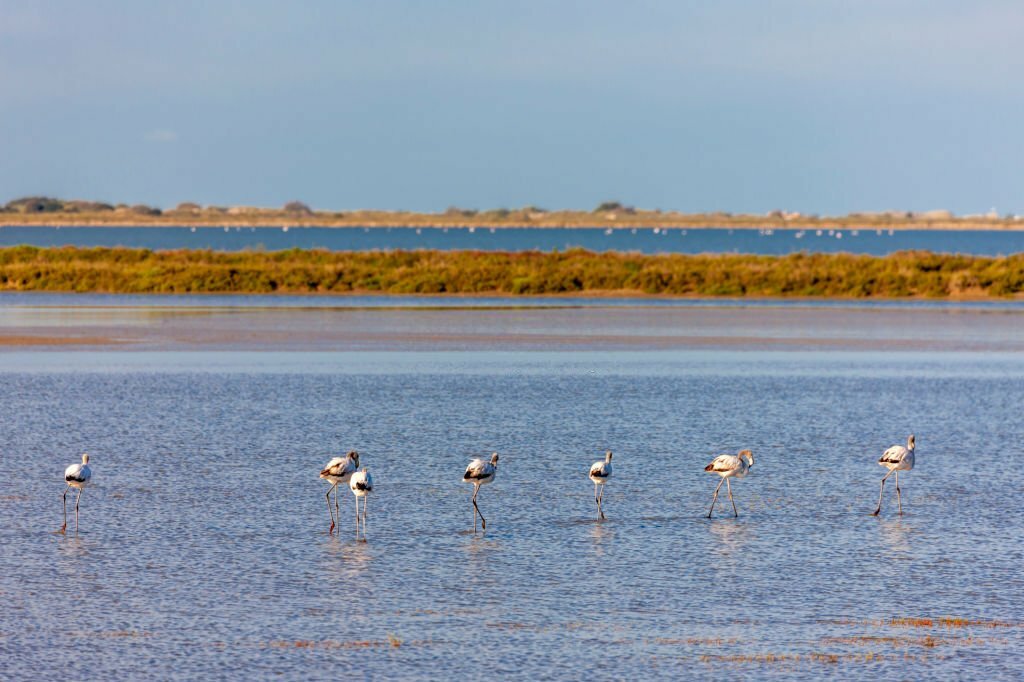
column 43, row 340
column 586, row 328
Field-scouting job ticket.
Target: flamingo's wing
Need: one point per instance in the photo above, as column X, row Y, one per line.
column 893, row 455
column 723, row 463
column 76, row 473
column 477, row 469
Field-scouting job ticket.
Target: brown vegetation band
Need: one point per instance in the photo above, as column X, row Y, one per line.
column 904, row 274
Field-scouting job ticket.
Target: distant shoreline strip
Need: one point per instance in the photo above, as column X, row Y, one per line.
column 695, row 223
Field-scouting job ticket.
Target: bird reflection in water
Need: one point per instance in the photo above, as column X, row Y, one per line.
column 601, row 534
column 729, row 537
column 895, row 533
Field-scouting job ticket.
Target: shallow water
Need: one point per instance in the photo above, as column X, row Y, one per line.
column 204, row 549
column 260, row 323
column 645, row 240
column 12, row 301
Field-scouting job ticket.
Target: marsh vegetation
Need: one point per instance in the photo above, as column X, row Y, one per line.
column 574, row 272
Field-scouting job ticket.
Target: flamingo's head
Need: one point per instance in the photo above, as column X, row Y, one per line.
column 494, row 459
column 910, row 442
column 354, row 456
column 747, row 455
column 85, row 458
column 608, row 456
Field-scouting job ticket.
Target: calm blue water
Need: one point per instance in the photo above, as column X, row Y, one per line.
column 204, row 551
column 751, row 241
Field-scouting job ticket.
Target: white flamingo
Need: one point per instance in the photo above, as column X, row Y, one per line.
column 76, row 476
column 600, row 472
column 729, row 466
column 361, row 484
column 895, row 459
column 338, row 470
column 480, row 473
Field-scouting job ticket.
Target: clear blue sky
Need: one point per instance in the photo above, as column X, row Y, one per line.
column 821, row 106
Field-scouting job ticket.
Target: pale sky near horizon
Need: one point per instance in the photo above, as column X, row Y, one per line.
column 825, row 106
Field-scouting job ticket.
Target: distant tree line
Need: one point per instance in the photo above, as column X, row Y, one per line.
column 54, row 205
column 605, row 212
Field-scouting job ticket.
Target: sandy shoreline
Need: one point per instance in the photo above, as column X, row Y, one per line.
column 1002, row 225
column 42, row 340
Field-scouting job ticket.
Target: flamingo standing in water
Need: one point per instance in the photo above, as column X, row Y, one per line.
column 600, row 472
column 338, row 470
column 76, row 476
column 480, row 473
column 362, row 485
column 729, row 466
column 895, row 459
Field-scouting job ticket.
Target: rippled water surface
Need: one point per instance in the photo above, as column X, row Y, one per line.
column 204, row 549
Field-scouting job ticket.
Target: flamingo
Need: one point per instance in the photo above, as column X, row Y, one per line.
column 600, row 472
column 895, row 459
column 361, row 484
column 76, row 476
column 479, row 473
column 338, row 470
column 729, row 466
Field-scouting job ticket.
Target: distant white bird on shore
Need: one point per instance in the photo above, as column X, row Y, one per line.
column 361, row 484
column 76, row 476
column 480, row 473
column 338, row 470
column 729, row 466
column 600, row 472
column 895, row 459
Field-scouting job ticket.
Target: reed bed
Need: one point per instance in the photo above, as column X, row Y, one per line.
column 576, row 272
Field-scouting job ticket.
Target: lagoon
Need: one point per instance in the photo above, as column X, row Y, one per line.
column 768, row 241
column 204, row 550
